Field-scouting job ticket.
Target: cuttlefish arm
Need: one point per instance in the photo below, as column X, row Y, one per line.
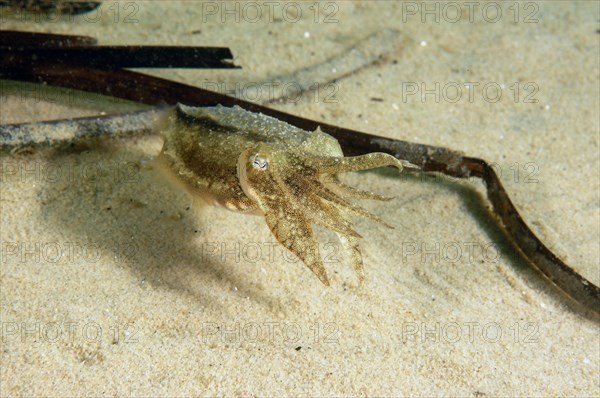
column 289, row 186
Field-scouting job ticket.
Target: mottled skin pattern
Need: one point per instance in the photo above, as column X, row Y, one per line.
column 250, row 162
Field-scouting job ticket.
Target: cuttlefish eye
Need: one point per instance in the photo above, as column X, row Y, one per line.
column 259, row 162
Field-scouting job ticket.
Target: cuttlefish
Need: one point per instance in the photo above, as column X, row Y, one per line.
column 252, row 163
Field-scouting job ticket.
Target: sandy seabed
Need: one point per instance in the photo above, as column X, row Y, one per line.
column 115, row 283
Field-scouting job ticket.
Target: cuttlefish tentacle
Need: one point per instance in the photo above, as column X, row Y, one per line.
column 346, row 190
column 325, row 214
column 247, row 161
column 350, row 241
column 351, row 245
column 334, row 220
column 350, row 207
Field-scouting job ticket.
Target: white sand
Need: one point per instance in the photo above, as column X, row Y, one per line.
column 108, row 288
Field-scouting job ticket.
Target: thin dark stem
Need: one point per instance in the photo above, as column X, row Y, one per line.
column 20, row 52
column 57, row 7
